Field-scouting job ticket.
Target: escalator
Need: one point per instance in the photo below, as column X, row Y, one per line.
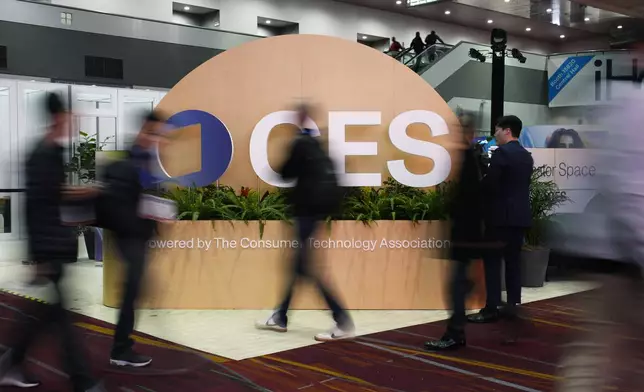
column 421, row 62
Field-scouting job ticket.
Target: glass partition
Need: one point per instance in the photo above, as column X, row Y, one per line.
column 109, row 114
column 8, row 129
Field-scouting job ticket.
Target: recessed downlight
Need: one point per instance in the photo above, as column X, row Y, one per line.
column 620, row 27
column 364, row 37
column 399, row 2
column 549, row 10
column 268, row 21
column 587, row 19
column 186, row 8
column 448, row 12
column 562, row 36
column 490, row 21
column 528, row 29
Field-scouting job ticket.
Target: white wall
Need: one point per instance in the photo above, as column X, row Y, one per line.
column 323, row 17
column 528, row 113
column 585, row 45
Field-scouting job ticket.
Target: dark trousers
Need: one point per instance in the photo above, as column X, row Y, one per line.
column 511, row 240
column 460, row 287
column 303, row 268
column 54, row 316
column 133, row 253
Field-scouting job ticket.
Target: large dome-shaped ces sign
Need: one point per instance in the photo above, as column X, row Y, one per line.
column 233, row 115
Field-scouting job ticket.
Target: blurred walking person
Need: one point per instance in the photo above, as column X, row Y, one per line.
column 610, row 242
column 466, row 237
column 125, row 181
column 51, row 244
column 316, row 196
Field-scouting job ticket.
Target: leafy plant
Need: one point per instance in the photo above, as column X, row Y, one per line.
column 545, row 197
column 83, row 162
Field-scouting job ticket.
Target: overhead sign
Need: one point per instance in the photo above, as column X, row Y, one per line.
column 565, row 73
column 235, row 122
column 586, row 80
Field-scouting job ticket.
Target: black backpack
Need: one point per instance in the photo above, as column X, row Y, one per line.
column 319, row 181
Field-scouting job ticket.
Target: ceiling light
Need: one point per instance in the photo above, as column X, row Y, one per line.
column 549, row 10
column 620, row 27
column 364, row 37
column 562, row 36
column 507, row 1
column 587, row 19
column 448, row 12
column 490, row 21
column 268, row 21
column 528, row 29
column 187, row 8
column 399, row 2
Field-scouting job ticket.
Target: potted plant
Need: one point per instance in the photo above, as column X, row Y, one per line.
column 82, row 166
column 545, row 196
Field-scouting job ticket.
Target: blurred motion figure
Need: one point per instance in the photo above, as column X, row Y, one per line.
column 51, row 244
column 125, row 181
column 466, row 237
column 610, row 241
column 316, row 196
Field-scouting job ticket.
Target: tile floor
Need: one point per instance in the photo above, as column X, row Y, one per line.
column 231, row 333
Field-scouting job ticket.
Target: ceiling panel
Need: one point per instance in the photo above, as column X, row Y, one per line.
column 548, row 19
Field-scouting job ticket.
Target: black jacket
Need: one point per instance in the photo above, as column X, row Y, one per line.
column 507, row 187
column 48, row 239
column 466, row 211
column 118, row 204
column 300, row 166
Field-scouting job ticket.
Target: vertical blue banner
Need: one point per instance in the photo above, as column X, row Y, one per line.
column 565, row 73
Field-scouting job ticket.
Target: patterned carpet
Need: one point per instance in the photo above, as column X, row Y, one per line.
column 387, row 361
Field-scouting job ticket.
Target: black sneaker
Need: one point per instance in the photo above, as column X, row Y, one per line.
column 130, row 358
column 17, row 378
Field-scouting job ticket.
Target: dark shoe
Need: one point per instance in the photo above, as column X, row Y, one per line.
column 15, row 377
column 484, row 316
column 130, row 358
column 446, row 343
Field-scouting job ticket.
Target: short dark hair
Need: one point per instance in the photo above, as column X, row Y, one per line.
column 54, row 104
column 512, row 122
column 154, row 116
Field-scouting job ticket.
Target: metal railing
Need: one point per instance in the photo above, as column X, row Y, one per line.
column 431, row 55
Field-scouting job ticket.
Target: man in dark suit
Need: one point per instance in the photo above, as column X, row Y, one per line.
column 507, row 216
column 119, row 212
column 466, row 235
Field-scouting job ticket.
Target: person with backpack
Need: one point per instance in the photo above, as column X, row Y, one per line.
column 316, row 195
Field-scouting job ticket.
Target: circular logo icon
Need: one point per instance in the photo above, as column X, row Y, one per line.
column 216, row 147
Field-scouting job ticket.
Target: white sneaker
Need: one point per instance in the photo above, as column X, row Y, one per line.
column 336, row 334
column 271, row 324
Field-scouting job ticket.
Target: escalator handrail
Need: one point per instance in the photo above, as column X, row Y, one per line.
column 402, row 53
column 450, row 47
